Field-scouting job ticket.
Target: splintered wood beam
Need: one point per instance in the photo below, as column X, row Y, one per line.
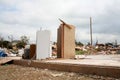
column 65, row 24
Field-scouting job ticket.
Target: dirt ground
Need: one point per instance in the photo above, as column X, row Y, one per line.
column 15, row 72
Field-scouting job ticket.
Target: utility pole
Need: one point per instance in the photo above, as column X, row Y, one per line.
column 91, row 32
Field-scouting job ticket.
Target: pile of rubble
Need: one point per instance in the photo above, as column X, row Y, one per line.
column 4, row 52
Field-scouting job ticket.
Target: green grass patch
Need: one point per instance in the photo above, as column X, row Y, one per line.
column 80, row 52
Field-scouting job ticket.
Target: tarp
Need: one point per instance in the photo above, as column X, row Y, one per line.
column 2, row 54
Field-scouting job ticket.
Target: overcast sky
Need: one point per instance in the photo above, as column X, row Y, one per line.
column 25, row 17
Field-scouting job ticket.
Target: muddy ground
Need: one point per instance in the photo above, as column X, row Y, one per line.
column 15, row 72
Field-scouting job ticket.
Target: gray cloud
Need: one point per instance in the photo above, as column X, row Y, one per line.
column 27, row 16
column 108, row 22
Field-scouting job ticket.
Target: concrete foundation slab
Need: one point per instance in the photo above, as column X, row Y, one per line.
column 88, row 65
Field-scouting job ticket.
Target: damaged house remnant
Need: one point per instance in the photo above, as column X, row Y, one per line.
column 66, row 41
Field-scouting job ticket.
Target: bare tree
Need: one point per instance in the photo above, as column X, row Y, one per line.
column 1, row 38
column 10, row 37
column 25, row 39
